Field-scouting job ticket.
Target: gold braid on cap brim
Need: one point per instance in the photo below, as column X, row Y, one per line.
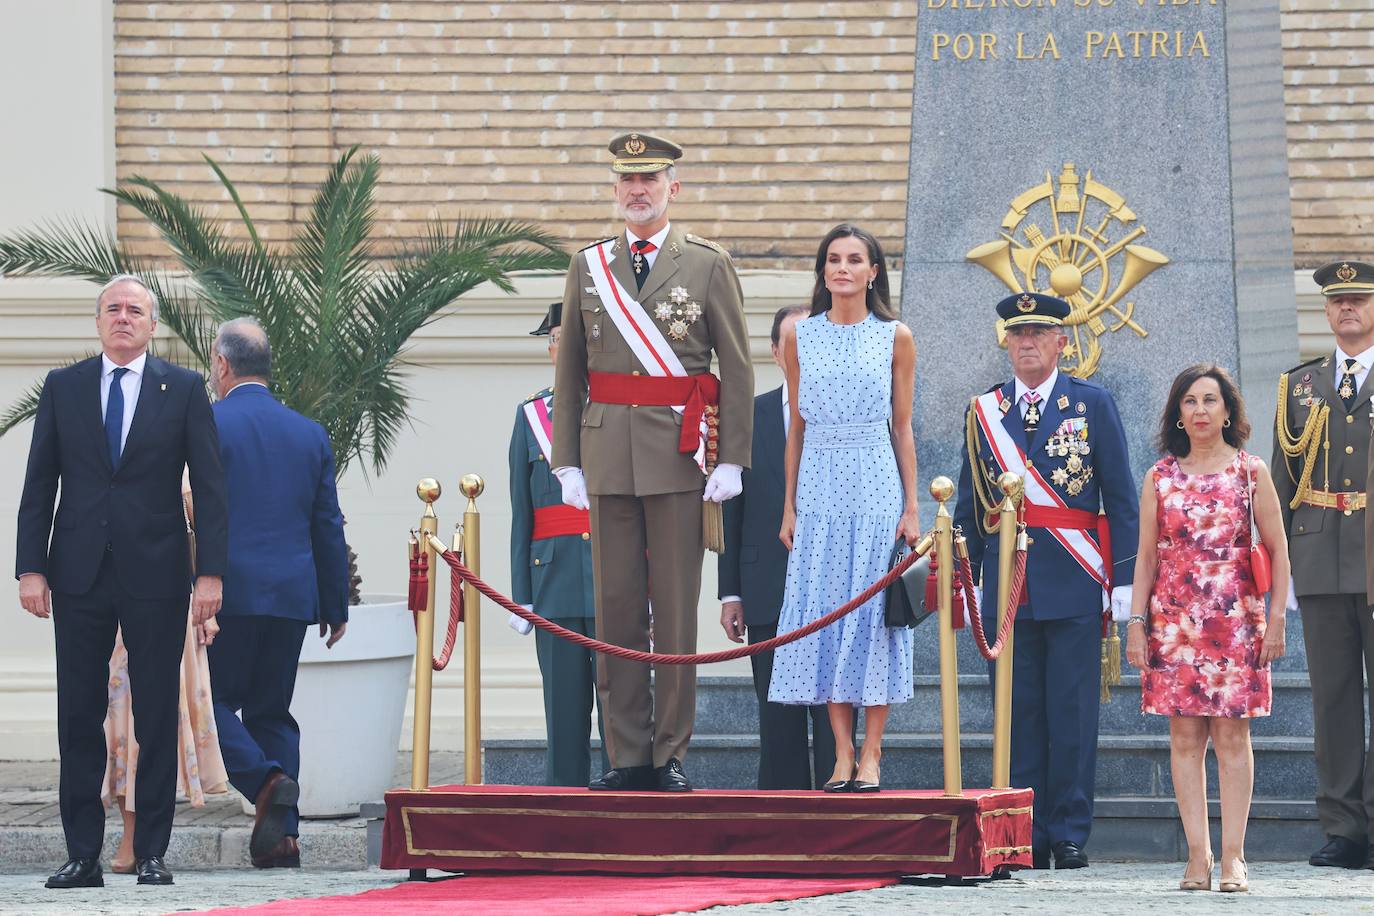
column 1305, row 446
column 1017, row 320
column 975, row 471
column 640, row 165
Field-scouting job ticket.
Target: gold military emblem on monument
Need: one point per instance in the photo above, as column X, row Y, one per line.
column 680, row 312
column 1077, row 260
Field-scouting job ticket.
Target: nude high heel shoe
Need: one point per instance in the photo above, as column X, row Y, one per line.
column 1198, row 884
column 1236, row 884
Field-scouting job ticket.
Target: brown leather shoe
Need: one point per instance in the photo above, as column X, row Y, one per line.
column 274, row 802
column 286, row 855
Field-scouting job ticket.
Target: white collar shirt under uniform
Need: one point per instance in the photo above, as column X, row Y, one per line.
column 1364, row 360
column 657, row 239
column 1043, row 389
column 131, row 384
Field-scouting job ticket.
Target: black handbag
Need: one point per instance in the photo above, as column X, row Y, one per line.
column 906, row 596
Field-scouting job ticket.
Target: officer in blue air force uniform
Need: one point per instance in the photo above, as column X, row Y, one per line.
column 551, row 573
column 1074, row 451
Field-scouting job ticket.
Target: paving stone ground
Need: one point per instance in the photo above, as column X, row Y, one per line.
column 1287, row 889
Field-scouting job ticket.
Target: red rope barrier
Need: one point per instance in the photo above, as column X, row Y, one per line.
column 1018, row 584
column 462, row 573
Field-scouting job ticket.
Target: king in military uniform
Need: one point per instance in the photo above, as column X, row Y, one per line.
column 1064, row 437
column 551, row 574
column 643, row 433
column 1321, row 459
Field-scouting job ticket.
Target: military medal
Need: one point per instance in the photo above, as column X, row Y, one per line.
column 596, row 332
column 1063, row 402
column 679, row 312
column 1032, row 414
column 1004, row 405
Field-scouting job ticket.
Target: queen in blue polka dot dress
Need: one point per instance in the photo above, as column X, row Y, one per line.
column 851, row 491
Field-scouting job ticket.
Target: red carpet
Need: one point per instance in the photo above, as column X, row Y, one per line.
column 711, row 833
column 561, row 895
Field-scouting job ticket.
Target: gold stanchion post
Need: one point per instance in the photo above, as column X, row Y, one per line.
column 428, row 490
column 942, row 488
column 1012, row 486
column 472, row 486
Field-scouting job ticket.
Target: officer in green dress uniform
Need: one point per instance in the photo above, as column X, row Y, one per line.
column 551, row 571
column 1321, row 461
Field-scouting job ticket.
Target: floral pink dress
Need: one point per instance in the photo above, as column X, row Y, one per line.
column 1206, row 623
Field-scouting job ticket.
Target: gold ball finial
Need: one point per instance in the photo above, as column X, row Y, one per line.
column 471, row 485
column 428, row 490
column 942, row 488
column 1012, row 485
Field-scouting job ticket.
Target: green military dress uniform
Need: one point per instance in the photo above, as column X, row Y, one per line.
column 554, row 575
column 1321, row 462
column 646, row 495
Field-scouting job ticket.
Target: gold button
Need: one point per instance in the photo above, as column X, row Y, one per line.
column 1029, row 463
column 1347, row 512
column 1301, row 529
column 1347, row 481
column 536, row 562
column 1350, row 449
column 636, row 372
column 541, row 458
column 586, row 536
column 1349, row 418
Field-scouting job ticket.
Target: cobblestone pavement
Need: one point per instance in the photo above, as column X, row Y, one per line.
column 1287, row 889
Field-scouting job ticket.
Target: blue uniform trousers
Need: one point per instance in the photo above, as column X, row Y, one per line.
column 253, row 671
column 569, row 675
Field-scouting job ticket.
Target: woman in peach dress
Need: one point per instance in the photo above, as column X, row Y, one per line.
column 200, row 770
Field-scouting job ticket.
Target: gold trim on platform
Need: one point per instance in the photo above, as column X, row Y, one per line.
column 675, row 815
column 1005, row 850
column 999, row 812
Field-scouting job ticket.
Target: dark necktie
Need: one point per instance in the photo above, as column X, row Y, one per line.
column 114, row 415
column 1032, row 418
column 640, row 262
column 1348, row 388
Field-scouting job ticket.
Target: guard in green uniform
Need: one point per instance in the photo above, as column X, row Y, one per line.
column 1321, row 461
column 551, row 572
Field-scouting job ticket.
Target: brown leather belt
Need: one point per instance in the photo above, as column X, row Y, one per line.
column 1325, row 499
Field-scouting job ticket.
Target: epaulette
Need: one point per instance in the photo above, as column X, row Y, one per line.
column 705, row 243
column 541, row 393
column 1315, row 359
column 997, row 387
column 597, row 242
column 1086, row 383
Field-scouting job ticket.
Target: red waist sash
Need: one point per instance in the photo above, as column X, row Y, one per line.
column 556, row 521
column 1057, row 517
column 694, row 392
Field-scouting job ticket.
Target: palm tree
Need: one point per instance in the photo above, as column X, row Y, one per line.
column 337, row 316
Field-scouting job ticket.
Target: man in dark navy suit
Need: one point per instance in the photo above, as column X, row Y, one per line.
column 752, row 573
column 1064, row 437
column 116, row 431
column 288, row 569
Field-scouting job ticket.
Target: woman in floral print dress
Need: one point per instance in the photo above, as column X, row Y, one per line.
column 1204, row 646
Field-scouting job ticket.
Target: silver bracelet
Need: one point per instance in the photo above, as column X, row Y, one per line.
column 1135, row 618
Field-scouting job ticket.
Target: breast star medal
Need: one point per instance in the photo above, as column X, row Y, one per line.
column 679, row 312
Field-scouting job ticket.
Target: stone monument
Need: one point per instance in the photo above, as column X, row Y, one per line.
column 1127, row 155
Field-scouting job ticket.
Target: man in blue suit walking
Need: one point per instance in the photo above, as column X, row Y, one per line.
column 1063, row 437
column 288, row 569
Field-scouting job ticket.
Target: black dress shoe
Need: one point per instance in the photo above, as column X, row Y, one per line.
column 671, row 778
column 1369, row 859
column 1340, row 852
column 860, row 785
column 625, row 778
column 1067, row 854
column 153, row 870
column 77, row 873
column 1040, row 858
column 840, row 785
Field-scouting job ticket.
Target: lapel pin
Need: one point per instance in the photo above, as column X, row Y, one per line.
column 164, row 386
column 1081, row 408
column 1004, row 404
column 1063, row 402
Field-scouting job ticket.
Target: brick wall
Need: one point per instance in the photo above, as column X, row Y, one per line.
column 796, row 115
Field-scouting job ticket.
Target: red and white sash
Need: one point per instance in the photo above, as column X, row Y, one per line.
column 642, row 335
column 541, row 424
column 1037, row 492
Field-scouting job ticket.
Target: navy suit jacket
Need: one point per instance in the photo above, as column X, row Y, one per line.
column 287, row 556
column 135, row 508
column 754, row 562
column 1057, row 586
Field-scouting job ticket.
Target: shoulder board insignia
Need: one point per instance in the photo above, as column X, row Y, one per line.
column 541, row 393
column 1302, row 364
column 992, row 389
column 706, row 243
column 597, row 242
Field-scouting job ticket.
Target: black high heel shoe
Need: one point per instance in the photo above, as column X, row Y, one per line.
column 841, row 785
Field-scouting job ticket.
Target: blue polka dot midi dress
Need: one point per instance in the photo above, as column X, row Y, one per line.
column 849, row 502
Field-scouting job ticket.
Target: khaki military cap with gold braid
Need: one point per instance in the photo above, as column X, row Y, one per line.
column 643, row 153
column 1345, row 277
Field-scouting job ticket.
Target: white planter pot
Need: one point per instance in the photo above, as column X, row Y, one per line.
column 349, row 702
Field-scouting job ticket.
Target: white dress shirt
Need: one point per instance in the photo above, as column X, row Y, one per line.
column 657, row 238
column 1043, row 389
column 131, row 384
column 1364, row 361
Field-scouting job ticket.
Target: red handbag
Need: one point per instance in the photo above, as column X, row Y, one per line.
column 1260, row 572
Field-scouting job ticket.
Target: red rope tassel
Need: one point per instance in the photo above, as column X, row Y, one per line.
column 419, row 583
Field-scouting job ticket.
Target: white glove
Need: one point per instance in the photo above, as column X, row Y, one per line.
column 724, row 483
column 520, row 624
column 1292, row 604
column 574, row 487
column 1121, row 603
